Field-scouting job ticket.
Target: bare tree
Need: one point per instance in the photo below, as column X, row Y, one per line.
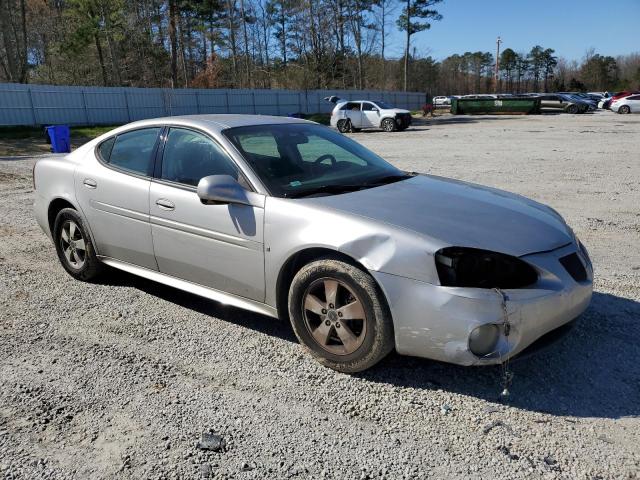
column 421, row 11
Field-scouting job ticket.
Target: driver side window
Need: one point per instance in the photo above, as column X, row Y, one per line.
column 317, row 147
column 190, row 156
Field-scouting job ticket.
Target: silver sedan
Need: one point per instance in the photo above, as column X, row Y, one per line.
column 293, row 220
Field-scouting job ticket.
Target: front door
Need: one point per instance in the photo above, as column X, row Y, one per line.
column 218, row 246
column 113, row 193
column 370, row 115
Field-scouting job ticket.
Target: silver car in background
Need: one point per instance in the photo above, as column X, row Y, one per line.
column 630, row 104
column 562, row 102
column 291, row 219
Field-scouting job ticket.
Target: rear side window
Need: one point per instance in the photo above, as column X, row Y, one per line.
column 132, row 151
column 105, row 148
column 351, row 106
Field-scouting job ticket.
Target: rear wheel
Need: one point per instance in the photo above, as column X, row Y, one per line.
column 344, row 125
column 572, row 109
column 74, row 247
column 339, row 315
column 624, row 109
column 388, row 124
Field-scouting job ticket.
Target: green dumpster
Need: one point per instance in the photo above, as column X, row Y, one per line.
column 463, row 106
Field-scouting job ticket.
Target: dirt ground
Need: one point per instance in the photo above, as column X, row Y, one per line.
column 119, row 378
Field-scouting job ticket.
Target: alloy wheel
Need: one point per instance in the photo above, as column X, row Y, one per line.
column 334, row 316
column 344, row 126
column 73, row 244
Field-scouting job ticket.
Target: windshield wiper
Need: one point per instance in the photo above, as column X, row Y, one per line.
column 388, row 179
column 334, row 189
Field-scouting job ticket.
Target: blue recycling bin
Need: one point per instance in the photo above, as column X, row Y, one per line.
column 60, row 137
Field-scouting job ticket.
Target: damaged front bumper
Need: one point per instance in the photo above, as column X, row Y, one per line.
column 435, row 322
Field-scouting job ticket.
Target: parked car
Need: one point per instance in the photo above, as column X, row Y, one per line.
column 565, row 103
column 593, row 104
column 441, row 101
column 620, row 95
column 354, row 115
column 630, row 104
column 292, row 219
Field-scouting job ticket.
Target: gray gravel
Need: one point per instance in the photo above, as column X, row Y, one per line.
column 121, row 379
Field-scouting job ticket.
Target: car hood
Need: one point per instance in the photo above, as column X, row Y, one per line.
column 396, row 110
column 456, row 213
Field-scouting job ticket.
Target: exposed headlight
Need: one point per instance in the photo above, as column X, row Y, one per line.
column 583, row 249
column 483, row 339
column 471, row 267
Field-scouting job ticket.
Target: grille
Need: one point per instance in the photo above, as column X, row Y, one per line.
column 574, row 266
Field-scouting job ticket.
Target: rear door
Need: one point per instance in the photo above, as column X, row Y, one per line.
column 634, row 103
column 113, row 192
column 352, row 112
column 218, row 246
column 552, row 102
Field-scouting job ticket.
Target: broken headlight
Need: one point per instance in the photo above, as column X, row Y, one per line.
column 475, row 268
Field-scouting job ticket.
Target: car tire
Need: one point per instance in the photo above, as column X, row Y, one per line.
column 389, row 125
column 624, row 109
column 344, row 125
column 573, row 109
column 318, row 295
column 74, row 247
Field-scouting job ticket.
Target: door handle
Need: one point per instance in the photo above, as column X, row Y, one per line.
column 90, row 183
column 165, row 204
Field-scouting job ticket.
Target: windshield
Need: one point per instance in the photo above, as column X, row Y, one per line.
column 294, row 160
column 383, row 105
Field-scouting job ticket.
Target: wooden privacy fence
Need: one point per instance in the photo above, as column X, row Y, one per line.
column 47, row 104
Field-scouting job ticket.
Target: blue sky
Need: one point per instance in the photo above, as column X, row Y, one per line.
column 570, row 27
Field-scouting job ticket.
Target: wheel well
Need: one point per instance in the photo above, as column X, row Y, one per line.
column 293, row 266
column 54, row 207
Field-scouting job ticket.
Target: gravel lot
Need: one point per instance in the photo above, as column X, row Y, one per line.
column 120, row 378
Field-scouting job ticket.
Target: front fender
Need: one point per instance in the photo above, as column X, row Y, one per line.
column 295, row 225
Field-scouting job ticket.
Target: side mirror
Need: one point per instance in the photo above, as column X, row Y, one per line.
column 220, row 189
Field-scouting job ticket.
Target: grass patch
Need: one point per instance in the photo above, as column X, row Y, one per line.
column 18, row 133
column 322, row 118
column 91, row 132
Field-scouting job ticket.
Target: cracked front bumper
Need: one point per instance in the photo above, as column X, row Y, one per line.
column 434, row 322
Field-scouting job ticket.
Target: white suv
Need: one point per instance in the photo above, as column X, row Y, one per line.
column 352, row 116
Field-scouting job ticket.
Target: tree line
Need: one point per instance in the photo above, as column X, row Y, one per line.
column 300, row 44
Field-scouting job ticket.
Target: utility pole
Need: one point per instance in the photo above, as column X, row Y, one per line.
column 498, row 42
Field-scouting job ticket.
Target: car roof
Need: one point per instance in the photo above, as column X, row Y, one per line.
column 215, row 122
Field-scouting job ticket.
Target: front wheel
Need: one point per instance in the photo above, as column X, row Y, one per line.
column 624, row 109
column 340, row 316
column 388, row 124
column 74, row 247
column 572, row 109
